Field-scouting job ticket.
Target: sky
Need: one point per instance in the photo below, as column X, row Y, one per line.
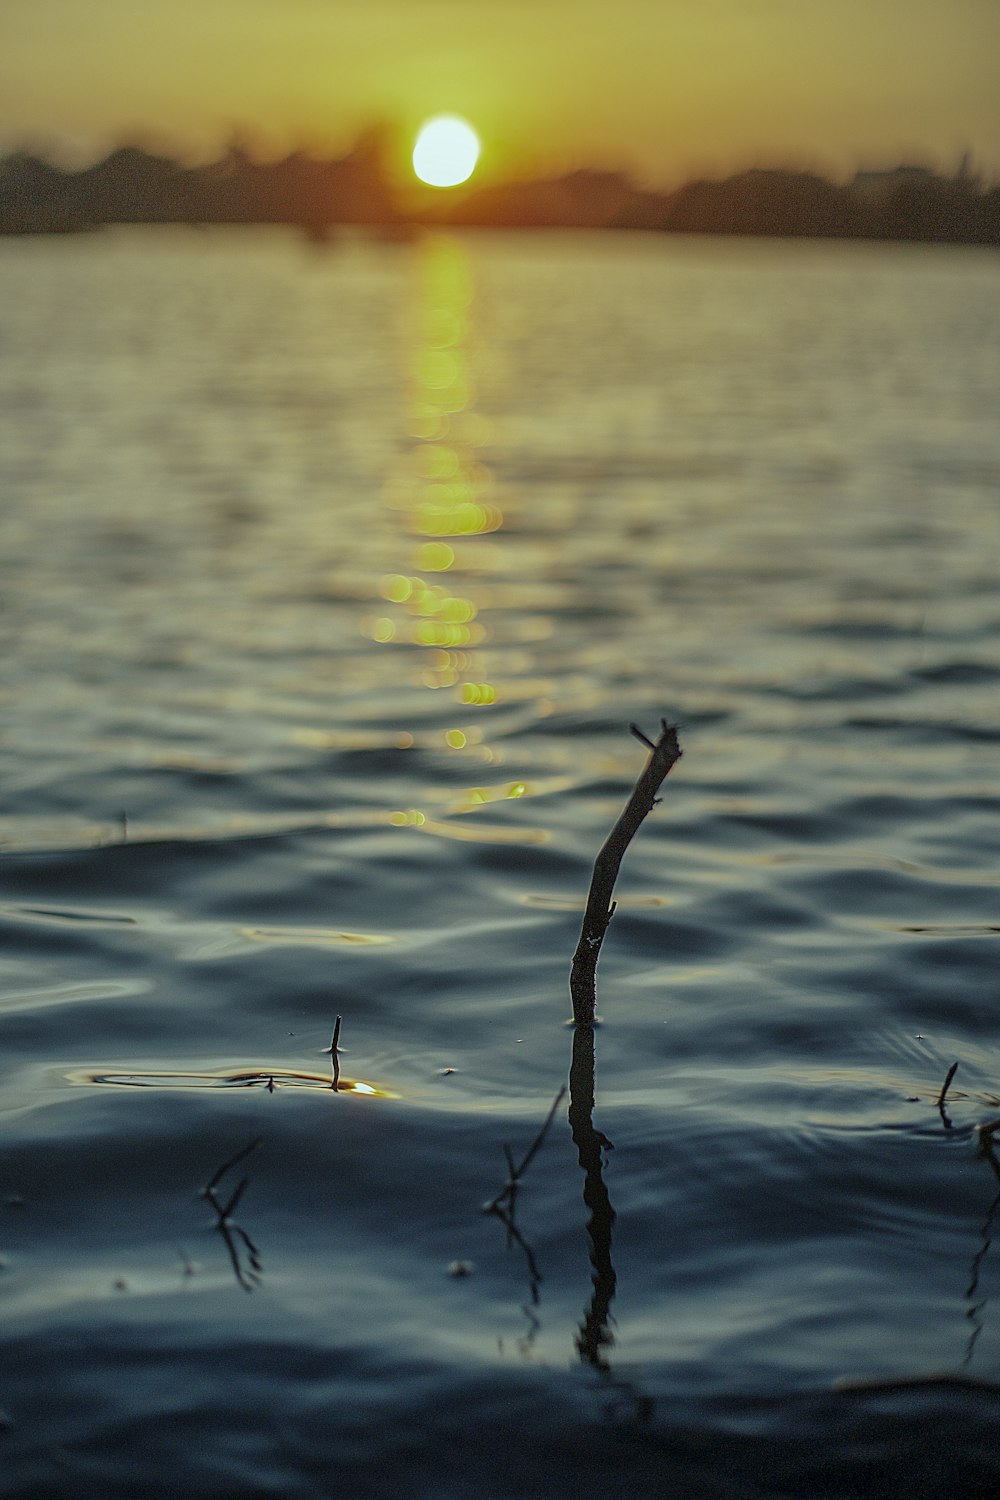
column 663, row 89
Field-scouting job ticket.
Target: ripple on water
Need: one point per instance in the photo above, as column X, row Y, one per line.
column 253, row 1078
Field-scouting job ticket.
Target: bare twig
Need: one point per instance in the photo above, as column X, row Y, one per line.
column 334, row 1051
column 600, row 906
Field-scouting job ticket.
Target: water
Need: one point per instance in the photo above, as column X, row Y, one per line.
column 331, row 582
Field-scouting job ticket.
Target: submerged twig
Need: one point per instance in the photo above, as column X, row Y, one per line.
column 508, row 1193
column 594, row 1335
column 504, row 1205
column 209, row 1191
column 947, row 1084
column 664, row 754
column 234, row 1234
column 943, row 1095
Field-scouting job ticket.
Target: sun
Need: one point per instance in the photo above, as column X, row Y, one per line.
column 446, row 151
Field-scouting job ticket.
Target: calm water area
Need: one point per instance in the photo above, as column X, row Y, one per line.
column 330, row 581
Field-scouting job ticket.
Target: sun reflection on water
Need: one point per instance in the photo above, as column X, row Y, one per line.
column 445, row 496
column 448, row 606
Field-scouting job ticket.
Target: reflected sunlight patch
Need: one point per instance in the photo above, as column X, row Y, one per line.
column 477, row 832
column 436, row 557
column 578, row 903
column 83, row 991
column 454, row 514
column 320, row 936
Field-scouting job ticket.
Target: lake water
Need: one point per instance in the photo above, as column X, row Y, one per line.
column 331, row 581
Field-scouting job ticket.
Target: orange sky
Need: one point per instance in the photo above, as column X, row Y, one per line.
column 664, row 88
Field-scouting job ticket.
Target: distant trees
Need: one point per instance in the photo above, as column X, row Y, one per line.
column 762, row 202
column 132, row 186
column 904, row 204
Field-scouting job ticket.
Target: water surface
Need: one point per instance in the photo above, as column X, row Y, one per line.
column 331, row 582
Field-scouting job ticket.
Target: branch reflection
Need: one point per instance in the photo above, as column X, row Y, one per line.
column 504, row 1208
column 594, row 1336
column 243, row 1253
column 974, row 1313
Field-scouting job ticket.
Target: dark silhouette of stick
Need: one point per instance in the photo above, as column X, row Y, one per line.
column 594, row 1335
column 947, row 1084
column 944, row 1094
column 600, row 905
column 334, row 1051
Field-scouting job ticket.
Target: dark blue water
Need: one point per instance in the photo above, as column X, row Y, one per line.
column 330, row 584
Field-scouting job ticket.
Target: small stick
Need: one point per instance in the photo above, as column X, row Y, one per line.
column 335, row 1054
column 947, row 1084
column 600, row 906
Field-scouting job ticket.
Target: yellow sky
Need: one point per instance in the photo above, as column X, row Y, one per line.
column 661, row 87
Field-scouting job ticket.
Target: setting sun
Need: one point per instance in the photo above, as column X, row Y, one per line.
column 446, row 151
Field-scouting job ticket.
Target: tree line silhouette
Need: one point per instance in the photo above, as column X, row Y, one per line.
column 136, row 186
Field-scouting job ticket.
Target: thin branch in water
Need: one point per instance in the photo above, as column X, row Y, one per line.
column 240, row 1188
column 232, row 1233
column 509, row 1190
column 251, row 1279
column 664, row 754
column 334, row 1051
column 945, row 1120
column 946, row 1085
column 514, row 1236
column 594, row 1336
column 643, row 739
column 536, row 1144
column 209, row 1191
column 504, row 1205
